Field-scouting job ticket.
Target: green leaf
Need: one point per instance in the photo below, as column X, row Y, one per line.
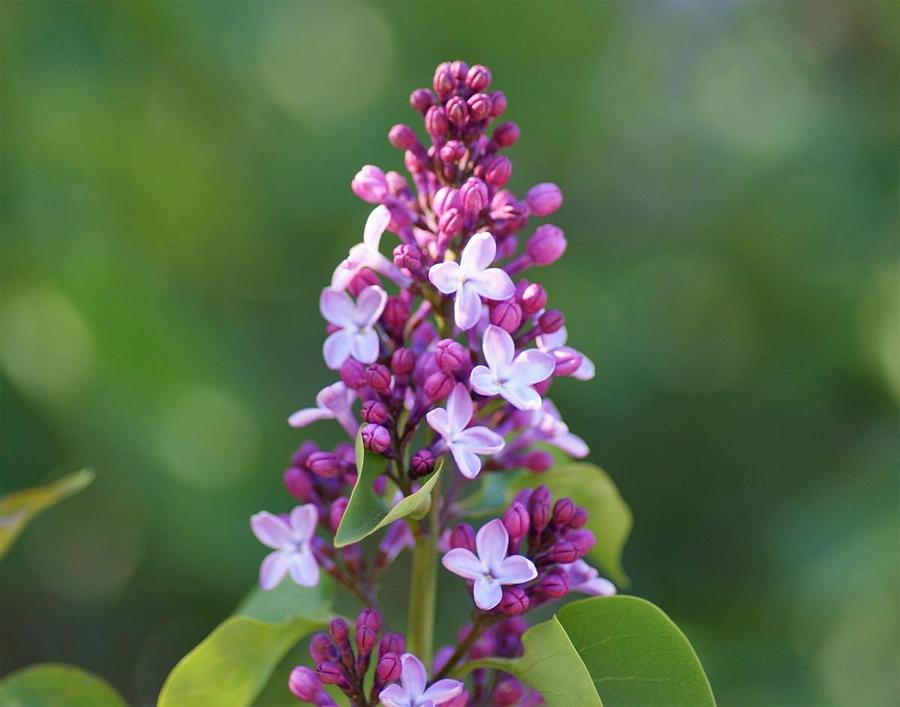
column 232, row 665
column 19, row 507
column 550, row 664
column 367, row 512
column 635, row 654
column 610, row 517
column 55, row 685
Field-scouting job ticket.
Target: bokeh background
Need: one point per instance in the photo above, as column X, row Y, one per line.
column 175, row 192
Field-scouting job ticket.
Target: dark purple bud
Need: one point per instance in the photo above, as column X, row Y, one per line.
column 552, row 320
column 375, row 412
column 298, row 483
column 544, row 199
column 438, row 385
column 339, row 630
column 579, row 519
column 322, row 649
column 422, row 462
column 564, row 552
column 395, row 315
column 554, row 585
column 299, row 457
column 353, row 374
column 421, row 100
column 539, row 508
column 452, row 151
column 508, row 692
column 479, row 106
column 546, row 245
column 506, row 134
column 478, row 78
column 498, row 171
column 403, row 362
column 392, row 642
column 450, row 355
column 533, row 299
column 506, row 315
column 474, row 194
column 436, row 122
column 403, row 137
column 336, row 513
column 303, row 683
column 498, row 103
column 451, row 222
column 538, row 460
column 567, row 361
column 408, row 256
column 367, row 626
column 463, row 535
column 330, row 673
column 516, row 521
column 583, row 540
column 444, row 81
column 363, row 279
column 563, row 512
column 370, row 184
column 379, row 378
column 388, row 669
column 324, row 464
column 376, row 438
column 457, row 111
column 514, row 601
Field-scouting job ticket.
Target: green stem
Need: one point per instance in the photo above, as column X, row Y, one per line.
column 423, row 588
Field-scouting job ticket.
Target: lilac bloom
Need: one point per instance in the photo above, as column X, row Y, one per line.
column 290, row 539
column 332, row 403
column 554, row 431
column 471, row 279
column 367, row 255
column 411, row 692
column 509, row 375
column 555, row 345
column 355, row 336
column 465, row 444
column 585, row 579
column 490, row 569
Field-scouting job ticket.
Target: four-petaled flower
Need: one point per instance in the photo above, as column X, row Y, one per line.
column 465, row 444
column 355, row 336
column 290, row 539
column 333, row 402
column 509, row 375
column 471, row 279
column 367, row 254
column 555, row 345
column 554, row 431
column 411, row 692
column 585, row 579
column 490, row 569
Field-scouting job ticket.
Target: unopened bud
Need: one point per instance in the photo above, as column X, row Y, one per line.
column 376, row 438
column 508, row 692
column 298, row 483
column 452, row 151
column 436, row 122
column 303, row 683
column 474, row 195
column 367, row 626
column 322, row 649
column 388, row 668
column 403, row 361
column 438, row 385
column 544, row 199
column 422, row 462
column 516, row 521
column 324, row 464
column 498, row 171
column 330, row 673
column 498, row 103
column 478, row 78
column 421, row 100
column 506, row 134
column 551, row 321
column 408, row 256
column 533, row 299
column 450, row 355
column 554, row 585
column 457, row 111
column 463, row 535
column 563, row 512
column 451, row 222
column 379, row 378
column 369, row 184
column 546, row 245
column 353, row 374
column 507, row 315
column 375, row 412
column 403, row 137
column 444, row 82
column 479, row 106
column 538, row 460
column 395, row 315
column 514, row 601
column 579, row 519
column 392, row 642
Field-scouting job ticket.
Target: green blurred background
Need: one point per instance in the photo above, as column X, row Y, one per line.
column 175, row 192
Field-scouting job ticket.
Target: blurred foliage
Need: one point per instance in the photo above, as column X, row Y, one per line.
column 175, row 193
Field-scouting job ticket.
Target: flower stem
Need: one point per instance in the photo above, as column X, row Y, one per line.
column 423, row 587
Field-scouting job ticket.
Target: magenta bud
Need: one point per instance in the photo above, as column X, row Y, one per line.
column 479, row 106
column 450, row 222
column 508, row 692
column 452, row 151
column 538, row 460
column 367, row 626
column 554, row 585
column 563, row 512
column 474, row 194
column 539, row 507
column 378, row 377
column 478, row 78
column 302, row 454
column 396, row 183
column 325, row 464
column 392, row 642
column 408, row 256
column 507, row 315
column 375, row 412
column 438, row 385
column 388, row 668
column 579, row 519
column 436, row 122
column 370, row 184
column 336, row 513
column 396, row 313
column 498, row 172
column 533, row 299
column 322, row 649
column 422, row 462
column 403, row 137
column 421, row 100
column 403, row 361
column 459, row 69
column 567, row 361
column 353, row 374
column 543, row 199
column 413, row 162
column 298, row 483
column 303, row 683
column 444, row 82
column 583, row 540
column 339, row 630
column 514, row 601
column 546, row 245
column 506, row 134
column 564, row 552
column 376, row 438
column 551, row 321
column 541, row 495
column 330, row 673
column 457, row 111
column 463, row 535
column 516, row 521
column 445, row 198
column 450, row 355
column 498, row 103
column 363, row 279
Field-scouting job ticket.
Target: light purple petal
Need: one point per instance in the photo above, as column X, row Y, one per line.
column 467, row 462
column 494, row 283
column 334, row 397
column 445, row 276
column 364, row 346
column 467, row 307
column 303, row 568
column 515, row 570
column 271, row 530
column 412, row 676
column 376, row 224
column 393, row 696
column 439, row 421
column 443, row 691
column 303, row 522
column 336, row 348
column 483, row 381
column 464, row 563
column 481, row 440
column 532, row 366
column 522, row 396
column 571, row 444
column 337, row 307
column 487, row 594
column 586, row 370
column 499, row 349
column 307, row 416
column 598, row 586
column 459, row 409
column 478, row 254
column 273, row 568
column 491, row 542
column 370, row 305
column 343, row 274
column 548, row 342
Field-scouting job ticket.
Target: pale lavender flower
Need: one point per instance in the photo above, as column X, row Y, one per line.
column 548, row 422
column 555, row 345
column 508, row 375
column 490, row 569
column 471, row 279
column 356, row 336
column 290, row 538
column 587, row 580
column 465, row 444
column 333, row 402
column 412, row 690
column 367, row 254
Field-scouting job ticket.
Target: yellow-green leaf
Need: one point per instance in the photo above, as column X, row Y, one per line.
column 56, row 685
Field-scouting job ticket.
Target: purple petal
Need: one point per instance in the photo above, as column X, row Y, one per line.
column 494, row 283
column 334, row 397
column 307, row 416
column 515, row 570
column 522, row 396
column 459, row 409
column 336, row 348
column 412, row 676
column 273, row 569
column 467, row 462
column 548, row 342
column 483, row 381
column 393, row 696
column 376, row 224
column 303, row 522
column 480, row 440
column 598, row 586
column 443, row 691
column 487, row 594
column 491, row 542
column 478, row 254
column 364, row 346
column 586, row 370
column 303, row 568
column 499, row 349
column 532, row 366
column 271, row 530
column 445, row 276
column 439, row 421
column 464, row 563
column 343, row 274
column 571, row 444
column 467, row 308
column 369, row 306
column 337, row 307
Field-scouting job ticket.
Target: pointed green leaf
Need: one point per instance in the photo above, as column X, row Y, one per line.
column 55, row 685
column 610, row 517
column 19, row 507
column 636, row 656
column 367, row 512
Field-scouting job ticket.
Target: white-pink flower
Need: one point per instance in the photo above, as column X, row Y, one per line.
column 585, row 579
column 368, row 255
column 471, row 279
column 411, row 692
column 509, row 375
column 356, row 335
column 555, row 345
column 334, row 402
column 554, row 431
column 290, row 539
column 464, row 443
column 490, row 569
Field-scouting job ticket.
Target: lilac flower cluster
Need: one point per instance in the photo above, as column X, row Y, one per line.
column 440, row 353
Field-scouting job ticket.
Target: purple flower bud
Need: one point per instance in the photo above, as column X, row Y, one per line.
column 421, row 100
column 514, row 601
column 298, row 483
column 388, row 668
column 450, row 355
column 299, row 457
column 579, row 519
column 479, row 106
column 508, row 692
column 395, row 315
column 407, row 255
column 414, row 162
column 403, row 137
column 396, row 183
column 330, row 673
column 452, row 151
column 463, row 535
column 567, row 361
column 538, row 460
column 339, row 630
column 543, row 199
column 322, row 649
column 478, row 78
column 460, row 70
column 498, row 103
column 438, row 385
column 444, row 81
column 403, row 361
column 451, row 222
column 564, row 552
column 436, row 122
column 445, row 198
column 554, row 585
column 506, row 315
column 323, row 699
column 516, row 521
column 353, row 374
column 367, row 626
column 506, row 134
column 552, row 320
column 498, row 171
column 422, row 462
column 563, row 512
column 303, row 683
column 370, row 185
column 474, row 194
column 583, row 540
column 324, row 464
column 375, row 412
column 336, row 513
column 533, row 299
column 392, row 642
column 379, row 378
column 539, row 507
column 457, row 111
column 376, row 438
column 546, row 245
